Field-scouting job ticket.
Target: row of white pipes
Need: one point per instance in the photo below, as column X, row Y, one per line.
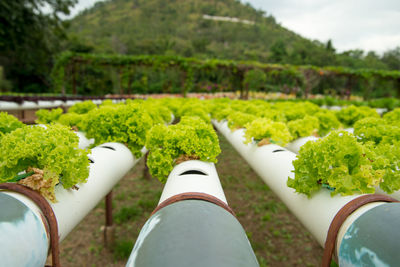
column 112, row 161
column 215, row 226
column 380, row 111
column 274, row 165
column 26, row 105
column 41, row 104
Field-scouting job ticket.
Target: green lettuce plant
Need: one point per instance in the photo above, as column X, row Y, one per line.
column 191, row 138
column 327, row 122
column 127, row 124
column 48, row 156
column 388, row 158
column 339, row 162
column 376, row 130
column 268, row 130
column 306, row 126
column 351, row 114
column 73, row 120
column 8, row 123
column 82, row 107
column 393, row 117
column 238, row 119
column 45, row 116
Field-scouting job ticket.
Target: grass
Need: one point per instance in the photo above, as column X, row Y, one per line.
column 127, row 214
column 122, row 249
column 277, row 237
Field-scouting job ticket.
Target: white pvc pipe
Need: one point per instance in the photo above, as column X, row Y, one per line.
column 108, row 168
column 6, row 105
column 237, row 135
column 172, row 118
column 349, row 130
column 70, row 103
column 335, row 108
column 47, row 104
column 97, row 101
column 274, row 165
column 381, row 110
column 298, row 143
column 178, row 182
column 29, row 105
column 83, row 141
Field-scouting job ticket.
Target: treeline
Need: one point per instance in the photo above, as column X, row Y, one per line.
column 97, row 74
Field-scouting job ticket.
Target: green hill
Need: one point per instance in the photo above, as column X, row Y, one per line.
column 226, row 29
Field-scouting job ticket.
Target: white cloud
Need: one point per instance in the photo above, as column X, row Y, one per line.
column 351, row 24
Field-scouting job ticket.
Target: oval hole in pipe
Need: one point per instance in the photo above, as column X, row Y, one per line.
column 108, row 147
column 193, row 172
column 278, row 150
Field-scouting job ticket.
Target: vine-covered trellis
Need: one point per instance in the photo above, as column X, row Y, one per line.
column 344, row 80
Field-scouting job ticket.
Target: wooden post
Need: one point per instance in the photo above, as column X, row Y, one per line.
column 121, row 90
column 129, row 82
column 398, row 87
column 109, row 229
column 183, row 82
column 146, row 173
column 73, row 80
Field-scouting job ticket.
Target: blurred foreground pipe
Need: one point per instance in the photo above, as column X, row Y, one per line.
column 192, row 225
column 23, row 232
column 24, row 240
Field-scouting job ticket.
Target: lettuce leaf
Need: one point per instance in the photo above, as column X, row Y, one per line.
column 53, row 150
column 337, row 161
column 191, row 138
column 262, row 128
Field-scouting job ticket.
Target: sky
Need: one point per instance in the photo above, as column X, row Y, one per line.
column 350, row 24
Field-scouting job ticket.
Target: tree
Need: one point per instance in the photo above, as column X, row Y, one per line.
column 329, row 46
column 29, row 37
column 278, row 52
column 373, row 61
column 392, row 58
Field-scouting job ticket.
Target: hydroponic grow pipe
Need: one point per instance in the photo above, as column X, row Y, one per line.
column 274, row 165
column 84, row 142
column 24, row 240
column 27, row 105
column 298, row 143
column 192, row 225
column 193, row 176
